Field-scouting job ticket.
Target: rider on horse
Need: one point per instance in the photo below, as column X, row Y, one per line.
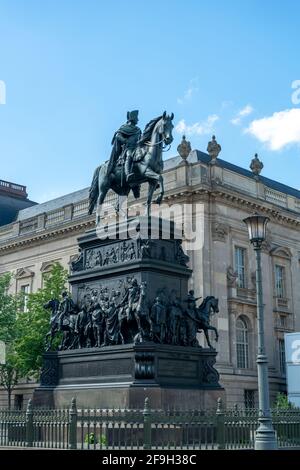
column 124, row 144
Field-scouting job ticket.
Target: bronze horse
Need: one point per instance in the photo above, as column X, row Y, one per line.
column 147, row 167
column 209, row 306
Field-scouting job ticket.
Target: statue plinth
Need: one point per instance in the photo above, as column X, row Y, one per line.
column 137, row 357
column 124, row 375
column 148, row 249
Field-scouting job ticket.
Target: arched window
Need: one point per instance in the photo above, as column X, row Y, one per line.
column 242, row 344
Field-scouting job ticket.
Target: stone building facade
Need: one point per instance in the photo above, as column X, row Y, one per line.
column 220, row 195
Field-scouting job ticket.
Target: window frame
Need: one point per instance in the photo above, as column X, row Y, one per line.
column 242, row 276
column 280, row 291
column 25, row 296
column 242, row 347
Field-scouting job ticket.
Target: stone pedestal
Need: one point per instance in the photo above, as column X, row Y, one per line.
column 124, row 375
column 147, row 250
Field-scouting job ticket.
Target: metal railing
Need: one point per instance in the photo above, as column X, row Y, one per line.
column 13, row 187
column 97, row 429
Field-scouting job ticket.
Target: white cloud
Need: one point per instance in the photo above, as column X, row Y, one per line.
column 198, row 128
column 278, row 130
column 189, row 92
column 248, row 109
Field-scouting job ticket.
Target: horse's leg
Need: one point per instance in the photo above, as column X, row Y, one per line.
column 103, row 186
column 207, row 337
column 151, row 189
column 48, row 343
column 215, row 330
column 100, row 200
column 162, row 190
column 52, row 335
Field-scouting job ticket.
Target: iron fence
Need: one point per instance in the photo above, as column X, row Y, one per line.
column 79, row 428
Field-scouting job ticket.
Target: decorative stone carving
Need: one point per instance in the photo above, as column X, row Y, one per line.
column 144, row 365
column 123, row 313
column 281, row 252
column 105, row 256
column 184, row 149
column 23, row 273
column 76, row 263
column 49, row 373
column 47, row 266
column 119, row 252
column 232, row 277
column 256, row 166
column 220, row 231
column 144, row 248
column 180, row 255
column 213, row 149
column 210, row 374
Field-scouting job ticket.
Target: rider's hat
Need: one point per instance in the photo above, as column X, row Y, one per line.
column 132, row 115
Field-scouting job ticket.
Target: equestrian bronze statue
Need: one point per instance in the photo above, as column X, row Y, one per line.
column 135, row 158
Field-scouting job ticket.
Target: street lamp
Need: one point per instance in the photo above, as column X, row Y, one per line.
column 265, row 438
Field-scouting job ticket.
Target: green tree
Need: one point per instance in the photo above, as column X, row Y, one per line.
column 282, row 401
column 9, row 306
column 8, row 310
column 33, row 325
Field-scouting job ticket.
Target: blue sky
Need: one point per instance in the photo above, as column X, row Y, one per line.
column 72, row 69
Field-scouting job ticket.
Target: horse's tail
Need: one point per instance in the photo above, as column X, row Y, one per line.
column 94, row 190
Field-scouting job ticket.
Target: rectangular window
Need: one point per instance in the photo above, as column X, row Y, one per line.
column 242, row 346
column 25, row 292
column 249, row 399
column 281, row 356
column 279, row 282
column 240, row 266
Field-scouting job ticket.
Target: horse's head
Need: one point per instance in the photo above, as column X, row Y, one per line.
column 52, row 304
column 165, row 128
column 209, row 306
column 214, row 303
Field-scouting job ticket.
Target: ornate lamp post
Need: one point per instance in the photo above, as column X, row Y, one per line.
column 265, row 438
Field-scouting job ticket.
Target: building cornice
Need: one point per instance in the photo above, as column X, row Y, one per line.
column 208, row 187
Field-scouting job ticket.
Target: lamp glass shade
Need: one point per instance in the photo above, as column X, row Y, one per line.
column 257, row 226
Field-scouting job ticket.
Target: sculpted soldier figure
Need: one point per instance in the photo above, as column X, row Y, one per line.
column 175, row 315
column 131, row 298
column 158, row 320
column 97, row 319
column 191, row 319
column 180, row 255
column 144, row 248
column 83, row 322
column 124, row 143
column 65, row 320
column 112, row 334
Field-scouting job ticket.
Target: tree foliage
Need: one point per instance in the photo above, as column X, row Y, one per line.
column 9, row 307
column 282, row 402
column 33, row 325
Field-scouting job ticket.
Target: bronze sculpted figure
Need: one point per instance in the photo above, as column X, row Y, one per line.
column 191, row 319
column 158, row 318
column 53, row 305
column 135, row 159
column 107, row 318
column 124, row 143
